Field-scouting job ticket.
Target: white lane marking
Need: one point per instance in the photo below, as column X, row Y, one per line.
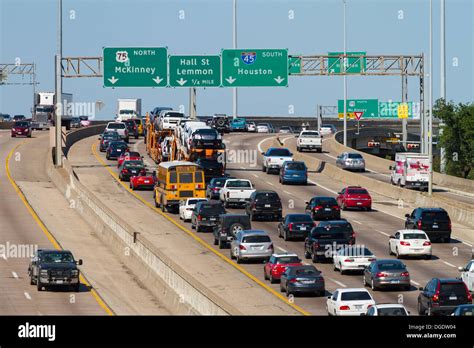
column 242, row 167
column 323, row 187
column 467, row 244
column 269, row 183
column 281, row 249
column 259, row 146
column 449, row 264
column 255, row 175
column 27, row 295
column 357, row 222
column 416, row 283
column 382, row 232
column 14, row 275
column 330, row 156
column 288, row 193
column 338, row 282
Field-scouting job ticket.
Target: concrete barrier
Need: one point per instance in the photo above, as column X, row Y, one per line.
column 144, row 259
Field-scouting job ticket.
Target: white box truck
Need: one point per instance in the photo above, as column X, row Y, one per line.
column 411, row 170
column 128, row 108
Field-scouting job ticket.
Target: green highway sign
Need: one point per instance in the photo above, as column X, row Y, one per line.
column 354, row 63
column 368, row 107
column 254, row 67
column 135, row 66
column 194, row 71
column 294, row 65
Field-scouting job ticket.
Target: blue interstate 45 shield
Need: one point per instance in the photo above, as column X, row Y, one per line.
column 248, row 57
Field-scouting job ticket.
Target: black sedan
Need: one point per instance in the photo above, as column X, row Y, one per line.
column 131, row 168
column 115, row 149
column 323, row 208
column 295, row 226
column 302, row 279
column 107, row 137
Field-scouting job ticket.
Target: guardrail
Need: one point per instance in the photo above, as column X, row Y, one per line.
column 145, row 259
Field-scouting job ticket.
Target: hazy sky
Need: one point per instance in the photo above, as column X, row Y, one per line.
column 28, row 31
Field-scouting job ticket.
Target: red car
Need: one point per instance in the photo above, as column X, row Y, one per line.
column 21, row 128
column 354, row 197
column 146, row 181
column 128, row 156
column 278, row 263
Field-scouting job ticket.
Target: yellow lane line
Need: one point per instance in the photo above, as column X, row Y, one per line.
column 45, row 230
column 196, row 237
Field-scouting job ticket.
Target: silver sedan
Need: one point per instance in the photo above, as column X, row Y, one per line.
column 351, row 161
column 251, row 245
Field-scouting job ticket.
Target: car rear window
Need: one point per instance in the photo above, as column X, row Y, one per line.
column 356, row 250
column 238, row 183
column 326, row 201
column 134, row 154
column 331, row 235
column 414, row 236
column 345, row 229
column 355, row 296
column 295, row 166
column 389, row 266
column 300, row 218
column 206, row 131
column 434, row 215
column 391, row 311
column 453, row 288
column 357, row 192
column 21, row 124
column 194, row 201
column 214, row 209
column 354, row 156
column 116, row 126
column 256, row 239
column 309, row 135
column 130, row 164
column 279, row 152
column 267, row 196
column 288, row 259
column 306, row 272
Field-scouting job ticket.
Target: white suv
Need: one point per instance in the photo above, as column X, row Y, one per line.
column 120, row 128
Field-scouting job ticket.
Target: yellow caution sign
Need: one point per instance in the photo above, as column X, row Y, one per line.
column 402, row 110
column 350, row 115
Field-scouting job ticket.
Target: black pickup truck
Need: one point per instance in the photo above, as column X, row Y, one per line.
column 51, row 268
column 327, row 238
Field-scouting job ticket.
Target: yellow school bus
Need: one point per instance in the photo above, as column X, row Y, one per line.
column 178, row 180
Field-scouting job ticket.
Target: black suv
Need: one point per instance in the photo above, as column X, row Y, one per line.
column 264, row 203
column 206, row 138
column 212, row 167
column 221, row 123
column 434, row 221
column 227, row 226
column 323, row 208
column 132, row 127
column 327, row 238
column 205, row 215
column 50, row 268
column 442, row 296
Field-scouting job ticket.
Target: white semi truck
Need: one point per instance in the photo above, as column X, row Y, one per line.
column 128, row 108
column 43, row 111
column 411, row 170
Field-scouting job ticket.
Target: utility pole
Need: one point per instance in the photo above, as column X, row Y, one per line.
column 345, row 78
column 442, row 81
column 404, row 100
column 430, row 101
column 234, row 40
column 192, row 103
column 58, row 92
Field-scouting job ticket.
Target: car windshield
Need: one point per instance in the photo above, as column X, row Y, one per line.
column 307, row 272
column 309, row 134
column 214, row 209
column 238, row 183
column 391, row 266
column 279, row 152
column 126, row 112
column 194, row 201
column 300, row 218
column 206, row 131
column 457, row 289
column 414, row 236
column 118, row 145
column 267, row 197
column 355, row 296
column 130, row 164
column 391, row 311
column 116, row 126
column 354, row 156
column 174, row 114
column 111, row 136
column 431, row 216
column 133, row 154
column 357, row 192
column 295, row 166
column 21, row 124
column 57, row 257
column 326, row 201
column 288, row 259
column 256, row 239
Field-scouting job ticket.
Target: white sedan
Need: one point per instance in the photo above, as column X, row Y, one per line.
column 410, row 243
column 349, row 301
column 352, row 258
column 388, row 309
column 186, row 207
column 263, row 128
column 251, row 127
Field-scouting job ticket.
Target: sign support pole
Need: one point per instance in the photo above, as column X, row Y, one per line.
column 59, row 92
column 404, row 100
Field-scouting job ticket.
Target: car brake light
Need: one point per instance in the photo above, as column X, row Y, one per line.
column 293, row 280
column 316, row 245
column 241, row 247
column 336, row 207
column 124, row 170
column 348, row 260
column 199, row 217
column 419, row 224
column 369, row 306
column 290, row 226
column 198, row 186
column 380, row 275
column 372, row 259
column 353, row 234
column 318, row 207
column 435, row 297
column 215, row 189
column 405, row 274
column 404, row 243
column 426, row 243
column 469, row 296
column 344, row 308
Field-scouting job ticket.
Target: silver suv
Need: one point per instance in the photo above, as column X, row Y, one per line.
column 251, row 245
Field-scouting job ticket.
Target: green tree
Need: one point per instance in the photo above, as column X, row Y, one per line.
column 457, row 137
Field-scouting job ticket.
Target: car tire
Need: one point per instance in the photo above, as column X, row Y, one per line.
column 272, row 280
column 32, row 281
column 198, row 229
column 264, row 169
column 77, row 287
column 397, row 254
column 368, row 209
column 421, row 310
column 265, row 276
column 281, row 288
column 216, row 241
column 298, row 149
column 364, row 281
column 267, row 170
column 221, row 244
column 39, row 285
column 343, row 206
column 307, row 255
column 285, row 236
column 372, row 285
column 341, row 270
column 238, row 259
column 231, row 254
column 314, row 258
column 236, row 227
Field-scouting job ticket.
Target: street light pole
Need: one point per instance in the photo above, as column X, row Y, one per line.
column 442, row 156
column 345, row 79
column 430, row 101
column 234, row 39
column 58, row 92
